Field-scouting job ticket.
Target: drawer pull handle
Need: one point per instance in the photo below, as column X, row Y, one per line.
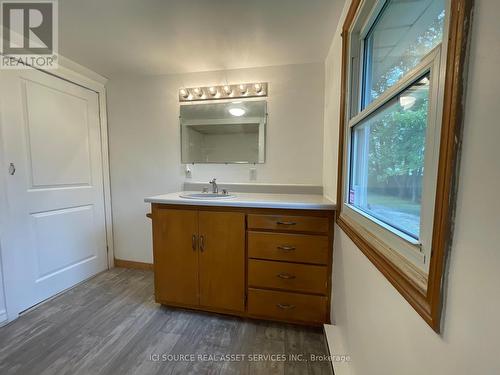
column 286, row 276
column 202, row 243
column 285, row 306
column 285, row 223
column 286, row 248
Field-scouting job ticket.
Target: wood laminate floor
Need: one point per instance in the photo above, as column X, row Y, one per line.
column 111, row 325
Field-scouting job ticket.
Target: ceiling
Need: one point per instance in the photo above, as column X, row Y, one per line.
column 114, row 37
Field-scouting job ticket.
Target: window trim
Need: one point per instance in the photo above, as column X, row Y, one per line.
column 425, row 295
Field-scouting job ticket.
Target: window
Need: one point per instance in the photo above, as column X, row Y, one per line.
column 392, row 134
column 403, row 33
column 387, row 165
column 398, row 133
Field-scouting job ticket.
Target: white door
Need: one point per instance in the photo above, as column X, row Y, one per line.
column 55, row 231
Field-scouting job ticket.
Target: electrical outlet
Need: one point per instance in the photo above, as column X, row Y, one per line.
column 253, row 174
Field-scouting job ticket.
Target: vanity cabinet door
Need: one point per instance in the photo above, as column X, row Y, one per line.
column 175, row 256
column 222, row 260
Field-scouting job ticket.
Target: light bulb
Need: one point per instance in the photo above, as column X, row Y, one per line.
column 184, row 93
column 212, row 90
column 228, row 90
column 258, row 88
column 243, row 89
column 198, row 92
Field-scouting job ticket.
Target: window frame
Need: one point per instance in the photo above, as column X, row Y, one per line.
column 416, row 251
column 415, row 269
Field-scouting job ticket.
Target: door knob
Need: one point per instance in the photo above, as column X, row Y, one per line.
column 12, row 169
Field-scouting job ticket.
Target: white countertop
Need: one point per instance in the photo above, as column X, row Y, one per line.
column 254, row 200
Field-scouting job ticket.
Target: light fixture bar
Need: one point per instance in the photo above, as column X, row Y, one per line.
column 240, row 90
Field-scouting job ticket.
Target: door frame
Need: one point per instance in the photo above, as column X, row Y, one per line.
column 77, row 74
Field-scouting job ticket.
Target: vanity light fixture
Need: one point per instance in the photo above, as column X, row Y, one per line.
column 241, row 90
column 183, row 93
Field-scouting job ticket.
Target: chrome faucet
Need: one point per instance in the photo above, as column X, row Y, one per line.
column 215, row 188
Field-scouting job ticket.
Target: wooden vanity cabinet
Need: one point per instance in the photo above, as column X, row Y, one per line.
column 222, row 260
column 289, row 265
column 261, row 263
column 199, row 258
column 175, row 256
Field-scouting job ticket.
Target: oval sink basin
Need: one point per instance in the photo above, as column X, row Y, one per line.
column 206, row 196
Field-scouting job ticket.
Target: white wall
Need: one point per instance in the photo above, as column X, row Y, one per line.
column 145, row 141
column 332, row 113
column 374, row 324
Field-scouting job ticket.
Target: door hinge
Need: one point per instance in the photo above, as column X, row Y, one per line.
column 107, row 249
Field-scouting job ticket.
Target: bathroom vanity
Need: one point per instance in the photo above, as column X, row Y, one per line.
column 265, row 256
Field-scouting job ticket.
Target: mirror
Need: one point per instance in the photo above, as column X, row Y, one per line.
column 228, row 132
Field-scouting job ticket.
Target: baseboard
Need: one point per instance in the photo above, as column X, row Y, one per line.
column 3, row 318
column 339, row 367
column 328, row 344
column 131, row 264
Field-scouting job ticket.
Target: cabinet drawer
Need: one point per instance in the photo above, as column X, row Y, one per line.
column 287, row 306
column 288, row 223
column 288, row 247
column 287, row 276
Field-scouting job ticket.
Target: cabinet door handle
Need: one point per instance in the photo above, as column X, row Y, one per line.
column 193, row 242
column 285, row 276
column 285, row 306
column 202, row 243
column 285, row 248
column 285, row 223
